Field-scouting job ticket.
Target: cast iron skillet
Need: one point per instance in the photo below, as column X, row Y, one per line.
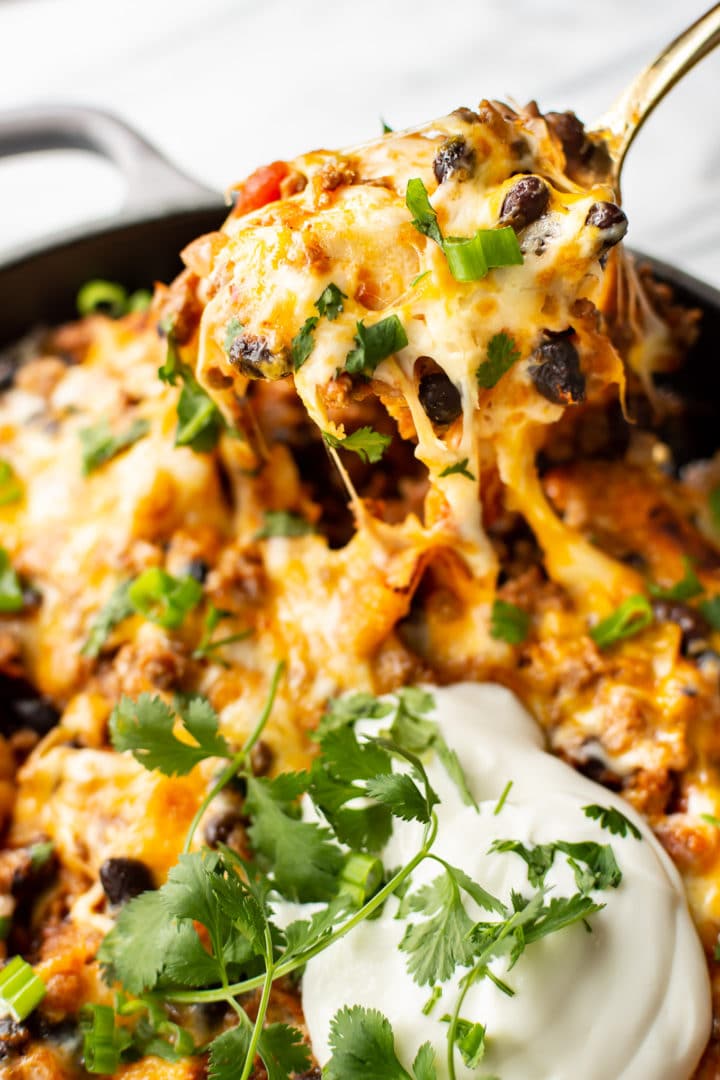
column 165, row 209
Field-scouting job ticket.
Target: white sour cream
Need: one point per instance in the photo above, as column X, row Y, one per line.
column 630, row 1001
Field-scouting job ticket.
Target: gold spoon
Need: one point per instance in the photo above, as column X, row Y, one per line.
column 621, row 123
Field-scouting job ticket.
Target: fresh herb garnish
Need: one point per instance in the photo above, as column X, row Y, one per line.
column 233, row 330
column 469, row 1039
column 469, row 258
column 162, row 598
column 385, row 127
column 11, row 591
column 375, row 343
column 502, row 353
column 329, row 304
column 99, row 444
column 509, row 623
column 710, row 609
column 363, row 1047
column 503, row 798
column 206, row 646
column 146, row 726
column 613, row 820
column 460, row 468
column 110, row 298
column 283, row 523
column 11, row 489
column 632, row 616
column 368, row 444
column 710, row 819
column 200, row 422
column 21, row 990
column 687, row 588
column 116, row 608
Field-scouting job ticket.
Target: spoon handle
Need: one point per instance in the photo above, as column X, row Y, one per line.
column 621, row 123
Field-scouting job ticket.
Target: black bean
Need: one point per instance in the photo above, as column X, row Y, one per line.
column 253, row 357
column 694, row 626
column 596, row 770
column 261, row 758
column 525, row 202
column 555, row 371
column 198, row 569
column 123, row 878
column 570, row 131
column 35, row 874
column 440, row 398
column 219, row 829
column 22, row 707
column 610, row 220
column 455, row 159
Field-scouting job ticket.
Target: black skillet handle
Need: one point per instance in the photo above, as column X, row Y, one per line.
column 154, row 185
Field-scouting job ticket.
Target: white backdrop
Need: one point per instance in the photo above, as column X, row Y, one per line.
column 225, row 85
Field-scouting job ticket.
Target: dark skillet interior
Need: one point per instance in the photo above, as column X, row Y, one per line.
column 41, row 288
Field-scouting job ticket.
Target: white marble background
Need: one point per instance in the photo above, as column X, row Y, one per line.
column 225, row 85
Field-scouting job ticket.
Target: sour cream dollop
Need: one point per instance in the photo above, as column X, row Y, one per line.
column 629, row 1001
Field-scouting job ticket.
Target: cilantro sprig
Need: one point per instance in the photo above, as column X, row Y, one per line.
column 100, row 444
column 502, row 354
column 329, row 305
column 368, row 444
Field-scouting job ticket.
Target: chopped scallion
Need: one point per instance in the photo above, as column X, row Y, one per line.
column 21, row 990
column 631, row 617
column 360, row 877
column 163, row 599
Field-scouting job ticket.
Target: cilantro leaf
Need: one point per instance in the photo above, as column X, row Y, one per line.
column 562, row 911
column 460, row 468
column 612, row 819
column 200, row 422
column 283, row 523
column 11, row 591
column 135, row 951
column 375, row 343
column 599, row 859
column 415, row 732
column 441, row 942
column 228, row 1053
column 145, row 727
column 424, row 216
column 301, row 934
column 330, row 302
column 11, row 486
column 349, row 708
column 283, row 1051
column 509, row 623
column 502, row 353
column 98, row 443
column 368, row 444
column 303, row 343
column 363, row 1048
column 401, row 795
column 539, row 858
column 687, row 588
column 302, row 857
column 116, row 608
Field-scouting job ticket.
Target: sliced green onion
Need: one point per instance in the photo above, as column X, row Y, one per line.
column 360, row 878
column 163, row 599
column 687, row 588
column 283, row 523
column 509, row 623
column 633, row 615
column 11, row 593
column 102, row 296
column 503, row 797
column 101, row 1046
column 471, row 258
column 21, row 990
column 11, row 489
column 140, row 300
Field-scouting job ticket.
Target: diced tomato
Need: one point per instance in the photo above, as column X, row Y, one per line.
column 260, row 188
